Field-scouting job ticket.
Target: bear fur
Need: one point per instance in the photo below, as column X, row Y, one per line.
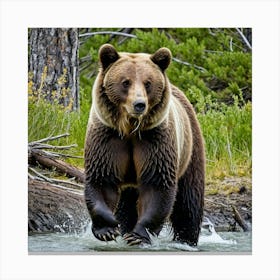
column 144, row 151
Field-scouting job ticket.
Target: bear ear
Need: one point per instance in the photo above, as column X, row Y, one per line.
column 107, row 55
column 162, row 58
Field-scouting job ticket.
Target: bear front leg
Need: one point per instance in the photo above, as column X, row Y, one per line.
column 105, row 162
column 100, row 203
column 154, row 206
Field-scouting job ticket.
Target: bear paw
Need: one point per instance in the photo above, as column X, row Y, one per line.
column 133, row 238
column 106, row 233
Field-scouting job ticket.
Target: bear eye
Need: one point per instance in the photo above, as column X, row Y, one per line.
column 126, row 83
column 147, row 85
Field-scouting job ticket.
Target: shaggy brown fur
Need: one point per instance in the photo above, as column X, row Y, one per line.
column 144, row 153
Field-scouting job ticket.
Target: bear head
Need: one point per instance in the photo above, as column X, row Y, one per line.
column 131, row 92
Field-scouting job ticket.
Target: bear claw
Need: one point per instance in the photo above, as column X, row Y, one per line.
column 134, row 239
column 106, row 234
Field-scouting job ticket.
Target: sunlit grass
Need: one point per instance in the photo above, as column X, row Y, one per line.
column 227, row 135
column 45, row 119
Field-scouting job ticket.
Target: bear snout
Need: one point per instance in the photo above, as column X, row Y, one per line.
column 139, row 106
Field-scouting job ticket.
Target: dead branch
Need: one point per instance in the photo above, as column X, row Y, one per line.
column 46, row 146
column 65, row 155
column 40, row 176
column 49, row 159
column 59, row 165
column 49, row 138
column 244, row 38
column 122, row 38
column 116, row 33
column 237, row 217
column 189, row 64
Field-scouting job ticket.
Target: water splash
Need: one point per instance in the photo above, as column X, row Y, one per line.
column 213, row 237
column 209, row 241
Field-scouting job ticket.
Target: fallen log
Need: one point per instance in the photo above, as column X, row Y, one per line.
column 54, row 208
column 46, row 155
column 59, row 165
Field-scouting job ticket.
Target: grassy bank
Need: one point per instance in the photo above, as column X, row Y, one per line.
column 228, row 142
column 227, row 134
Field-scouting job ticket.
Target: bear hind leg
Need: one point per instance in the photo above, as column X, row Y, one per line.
column 187, row 212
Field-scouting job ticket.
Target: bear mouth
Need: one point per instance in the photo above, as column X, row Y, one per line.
column 129, row 123
column 134, row 116
column 135, row 121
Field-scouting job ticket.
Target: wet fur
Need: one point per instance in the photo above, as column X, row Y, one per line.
column 161, row 157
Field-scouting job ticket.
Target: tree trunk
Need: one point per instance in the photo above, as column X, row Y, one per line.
column 55, row 208
column 53, row 65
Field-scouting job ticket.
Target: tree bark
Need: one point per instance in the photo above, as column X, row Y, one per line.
column 54, row 208
column 53, row 65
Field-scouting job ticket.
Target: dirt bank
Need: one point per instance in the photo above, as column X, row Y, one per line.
column 225, row 197
column 56, row 208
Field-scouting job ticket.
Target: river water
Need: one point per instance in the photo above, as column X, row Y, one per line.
column 209, row 242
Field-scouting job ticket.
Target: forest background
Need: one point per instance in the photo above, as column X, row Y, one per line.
column 213, row 66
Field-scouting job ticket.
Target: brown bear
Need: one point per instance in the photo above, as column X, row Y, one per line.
column 144, row 151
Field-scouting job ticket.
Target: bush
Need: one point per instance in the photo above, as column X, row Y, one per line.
column 213, row 64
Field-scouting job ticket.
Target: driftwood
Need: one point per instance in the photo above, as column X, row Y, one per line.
column 54, row 204
column 59, row 165
column 55, row 208
column 37, row 154
column 237, row 217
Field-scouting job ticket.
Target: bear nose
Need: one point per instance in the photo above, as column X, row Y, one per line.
column 139, row 106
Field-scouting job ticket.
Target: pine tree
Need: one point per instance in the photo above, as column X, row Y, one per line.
column 53, row 65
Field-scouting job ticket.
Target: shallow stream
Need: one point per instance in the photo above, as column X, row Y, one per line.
column 209, row 242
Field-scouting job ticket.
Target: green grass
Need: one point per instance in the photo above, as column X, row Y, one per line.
column 228, row 141
column 227, row 134
column 45, row 119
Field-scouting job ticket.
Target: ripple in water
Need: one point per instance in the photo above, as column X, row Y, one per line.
column 210, row 242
